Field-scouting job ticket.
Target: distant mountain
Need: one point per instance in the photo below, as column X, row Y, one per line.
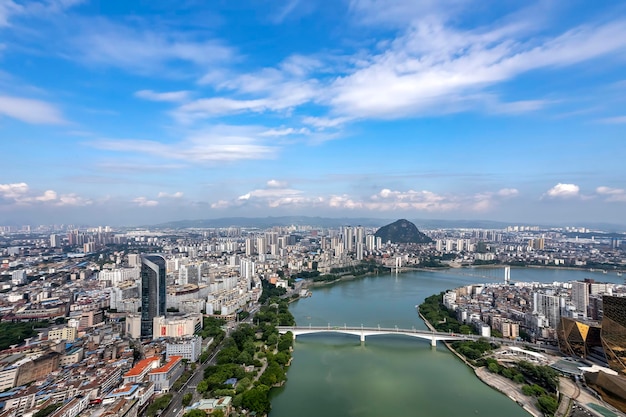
column 402, row 231
column 265, row 222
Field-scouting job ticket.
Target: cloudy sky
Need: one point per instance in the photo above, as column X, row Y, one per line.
column 133, row 112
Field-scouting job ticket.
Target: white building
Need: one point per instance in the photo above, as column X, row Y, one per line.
column 18, row 277
column 188, row 348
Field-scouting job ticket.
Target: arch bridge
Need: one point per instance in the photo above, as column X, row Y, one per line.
column 363, row 332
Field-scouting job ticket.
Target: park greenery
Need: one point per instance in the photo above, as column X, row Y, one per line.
column 364, row 268
column 471, row 349
column 539, row 381
column 440, row 317
column 16, row 333
column 255, row 355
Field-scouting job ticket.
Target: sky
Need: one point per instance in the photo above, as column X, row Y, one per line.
column 140, row 112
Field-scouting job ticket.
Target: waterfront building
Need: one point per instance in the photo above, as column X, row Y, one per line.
column 152, row 291
column 578, row 338
column 613, row 333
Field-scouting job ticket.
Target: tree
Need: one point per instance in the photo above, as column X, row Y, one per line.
column 187, row 399
column 547, row 404
column 257, row 399
column 195, row 413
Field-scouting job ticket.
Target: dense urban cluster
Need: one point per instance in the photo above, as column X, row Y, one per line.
column 103, row 322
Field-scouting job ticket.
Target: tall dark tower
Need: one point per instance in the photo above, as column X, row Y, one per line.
column 152, row 291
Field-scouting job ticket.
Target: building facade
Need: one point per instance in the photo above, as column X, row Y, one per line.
column 614, row 332
column 152, row 291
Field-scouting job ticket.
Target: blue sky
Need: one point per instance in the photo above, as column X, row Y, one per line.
column 135, row 112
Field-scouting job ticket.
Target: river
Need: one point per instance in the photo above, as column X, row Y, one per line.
column 337, row 376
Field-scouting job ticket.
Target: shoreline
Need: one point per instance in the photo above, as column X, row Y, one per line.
column 496, row 382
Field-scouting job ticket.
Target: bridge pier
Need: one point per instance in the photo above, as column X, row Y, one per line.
column 362, row 338
column 433, row 342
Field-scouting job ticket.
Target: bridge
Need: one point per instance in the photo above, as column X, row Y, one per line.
column 363, row 332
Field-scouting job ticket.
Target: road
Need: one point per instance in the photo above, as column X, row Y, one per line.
column 176, row 409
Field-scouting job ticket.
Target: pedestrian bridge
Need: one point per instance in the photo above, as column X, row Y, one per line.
column 363, row 332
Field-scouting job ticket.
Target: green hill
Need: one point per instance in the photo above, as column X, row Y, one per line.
column 402, row 231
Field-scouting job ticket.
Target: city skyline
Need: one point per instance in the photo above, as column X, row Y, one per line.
column 142, row 113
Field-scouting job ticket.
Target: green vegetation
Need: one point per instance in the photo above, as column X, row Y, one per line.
column 270, row 291
column 176, row 386
column 544, row 382
column 440, row 317
column 548, row 404
column 160, row 403
column 46, row 411
column 195, row 413
column 365, row 267
column 186, row 400
column 472, row 350
column 259, row 345
column 543, row 377
column 15, row 333
column 402, row 231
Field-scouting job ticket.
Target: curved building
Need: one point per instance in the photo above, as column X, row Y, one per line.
column 152, row 291
column 614, row 332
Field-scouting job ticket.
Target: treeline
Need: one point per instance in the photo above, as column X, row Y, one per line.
column 538, row 381
column 440, row 317
column 356, row 270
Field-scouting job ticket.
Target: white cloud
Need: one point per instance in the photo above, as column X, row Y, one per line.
column 49, row 195
column 7, row 9
column 177, row 194
column 612, row 194
column 13, row 191
column 21, row 194
column 277, row 184
column 144, row 202
column 508, row 192
column 614, row 120
column 172, row 96
column 286, row 132
column 433, row 68
column 325, row 122
column 563, row 191
column 30, row 111
column 278, row 195
column 269, row 89
column 219, row 143
column 142, row 49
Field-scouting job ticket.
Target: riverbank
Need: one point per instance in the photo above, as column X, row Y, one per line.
column 498, row 382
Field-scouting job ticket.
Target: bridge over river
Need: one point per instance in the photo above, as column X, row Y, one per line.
column 363, row 332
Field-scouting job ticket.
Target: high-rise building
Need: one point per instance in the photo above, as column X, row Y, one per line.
column 55, row 241
column 580, row 296
column 152, row 291
column 549, row 306
column 613, row 333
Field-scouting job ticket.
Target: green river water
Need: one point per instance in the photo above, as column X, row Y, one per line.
column 335, row 375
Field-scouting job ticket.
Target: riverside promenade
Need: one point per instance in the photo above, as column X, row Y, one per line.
column 498, row 382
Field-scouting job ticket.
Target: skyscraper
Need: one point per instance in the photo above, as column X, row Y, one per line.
column 152, row 291
column 614, row 332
